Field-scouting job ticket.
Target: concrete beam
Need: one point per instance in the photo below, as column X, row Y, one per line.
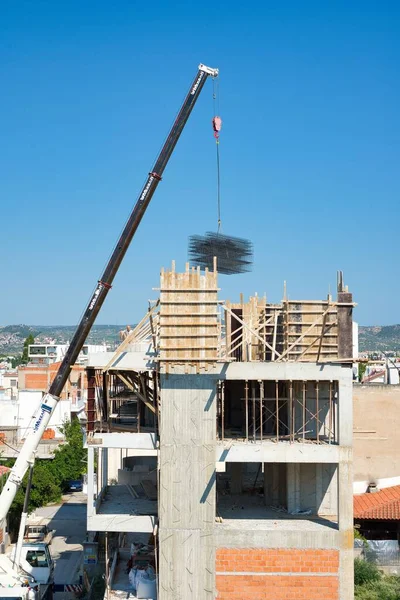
column 142, row 441
column 282, row 452
column 90, row 485
column 125, row 523
column 297, row 371
column 298, row 536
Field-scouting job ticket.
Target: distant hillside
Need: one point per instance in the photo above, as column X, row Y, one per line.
column 386, row 338
column 12, row 336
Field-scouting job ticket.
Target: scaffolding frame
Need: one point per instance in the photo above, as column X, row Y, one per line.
column 300, row 413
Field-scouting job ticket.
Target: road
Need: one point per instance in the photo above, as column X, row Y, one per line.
column 69, row 522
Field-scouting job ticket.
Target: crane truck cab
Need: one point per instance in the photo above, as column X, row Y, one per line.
column 13, row 585
column 36, row 561
column 18, row 593
column 34, row 578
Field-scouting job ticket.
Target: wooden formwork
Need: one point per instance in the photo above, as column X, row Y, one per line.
column 189, row 326
column 310, row 330
column 295, row 330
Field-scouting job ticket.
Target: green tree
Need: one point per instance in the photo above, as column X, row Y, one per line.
column 71, row 457
column 362, row 367
column 29, row 340
column 45, row 489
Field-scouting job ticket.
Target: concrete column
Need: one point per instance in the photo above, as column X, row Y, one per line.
column 90, row 482
column 345, row 407
column 345, row 325
column 274, row 484
column 236, row 473
column 187, row 486
column 326, row 489
column 91, row 400
column 346, row 532
column 293, row 487
column 104, row 467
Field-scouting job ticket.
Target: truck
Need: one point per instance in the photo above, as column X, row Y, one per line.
column 33, row 579
column 38, row 531
column 20, row 569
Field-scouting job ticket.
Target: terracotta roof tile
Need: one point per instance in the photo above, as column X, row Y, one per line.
column 383, row 505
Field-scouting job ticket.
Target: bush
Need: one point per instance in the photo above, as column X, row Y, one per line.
column 387, row 588
column 371, row 584
column 365, row 572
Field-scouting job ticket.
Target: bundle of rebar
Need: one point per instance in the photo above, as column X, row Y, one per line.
column 234, row 255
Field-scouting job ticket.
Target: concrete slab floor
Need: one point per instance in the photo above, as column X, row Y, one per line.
column 118, row 501
column 277, row 524
column 249, row 512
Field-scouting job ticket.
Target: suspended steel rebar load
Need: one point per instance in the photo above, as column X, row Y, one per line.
column 234, row 255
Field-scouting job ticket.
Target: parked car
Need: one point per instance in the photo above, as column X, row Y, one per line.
column 75, row 485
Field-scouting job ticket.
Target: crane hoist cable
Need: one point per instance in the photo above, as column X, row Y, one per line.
column 234, row 255
column 217, row 125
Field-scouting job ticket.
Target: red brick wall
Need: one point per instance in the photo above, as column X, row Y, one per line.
column 273, row 574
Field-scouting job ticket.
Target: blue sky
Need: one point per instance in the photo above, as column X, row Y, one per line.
column 309, row 97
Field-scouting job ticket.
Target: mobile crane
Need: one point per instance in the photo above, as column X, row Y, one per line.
column 27, row 573
column 104, row 284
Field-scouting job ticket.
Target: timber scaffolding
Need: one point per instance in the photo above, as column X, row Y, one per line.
column 189, row 327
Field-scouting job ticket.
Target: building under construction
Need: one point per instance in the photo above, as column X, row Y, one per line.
column 221, row 434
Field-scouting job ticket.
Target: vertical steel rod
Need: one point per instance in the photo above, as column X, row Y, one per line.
column 304, row 407
column 107, row 566
column 223, row 409
column 138, row 411
column 277, row 409
column 336, row 401
column 261, row 408
column 253, row 395
column 292, row 423
column 330, row 411
column 246, row 387
column 317, row 407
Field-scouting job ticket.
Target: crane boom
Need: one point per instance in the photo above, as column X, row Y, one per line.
column 51, row 398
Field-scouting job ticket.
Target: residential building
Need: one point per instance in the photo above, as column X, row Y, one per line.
column 377, row 518
column 231, row 427
column 376, row 427
column 46, row 354
column 38, row 377
column 8, row 384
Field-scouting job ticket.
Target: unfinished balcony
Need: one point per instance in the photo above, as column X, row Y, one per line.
column 122, row 482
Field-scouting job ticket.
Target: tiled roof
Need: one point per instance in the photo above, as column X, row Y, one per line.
column 383, row 505
column 4, row 470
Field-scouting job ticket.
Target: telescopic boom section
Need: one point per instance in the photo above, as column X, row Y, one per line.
column 49, row 401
